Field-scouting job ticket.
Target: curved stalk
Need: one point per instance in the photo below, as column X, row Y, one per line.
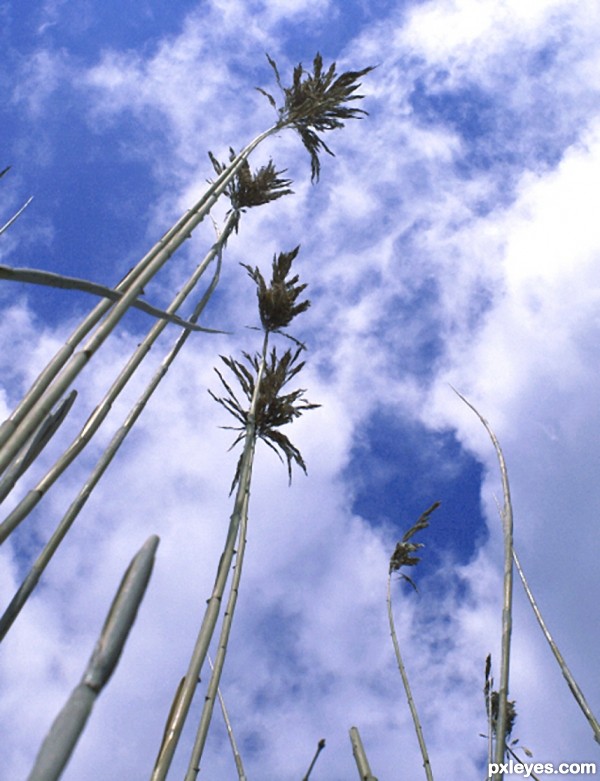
column 568, row 676
column 217, row 668
column 507, row 528
column 36, row 276
column 407, row 689
column 31, row 499
column 65, row 366
column 58, row 746
column 174, row 728
column 36, row 571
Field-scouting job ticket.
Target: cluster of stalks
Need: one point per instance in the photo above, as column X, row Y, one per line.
column 501, row 712
column 317, row 101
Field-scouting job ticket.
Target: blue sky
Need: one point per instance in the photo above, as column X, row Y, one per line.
column 453, row 239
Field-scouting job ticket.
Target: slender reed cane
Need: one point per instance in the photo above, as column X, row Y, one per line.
column 239, row 765
column 174, row 728
column 320, row 747
column 217, row 668
column 568, row 676
column 405, row 682
column 507, row 527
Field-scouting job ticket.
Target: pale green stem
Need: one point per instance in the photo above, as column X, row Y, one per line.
column 507, row 527
column 176, row 722
column 70, row 722
column 360, row 757
column 65, row 366
column 239, row 765
column 572, row 683
column 217, row 669
column 407, row 689
column 68, row 519
column 31, row 499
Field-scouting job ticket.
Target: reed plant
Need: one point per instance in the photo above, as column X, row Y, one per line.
column 262, row 379
column 315, row 102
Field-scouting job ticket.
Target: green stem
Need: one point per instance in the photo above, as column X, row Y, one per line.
column 174, row 728
column 407, row 689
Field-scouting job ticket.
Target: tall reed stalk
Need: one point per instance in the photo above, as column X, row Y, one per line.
column 261, row 378
column 403, row 556
column 507, row 592
column 567, row 674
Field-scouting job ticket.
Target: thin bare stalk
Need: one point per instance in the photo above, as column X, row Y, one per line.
column 33, row 497
column 571, row 682
column 36, row 276
column 407, row 689
column 507, row 527
column 15, row 216
column 105, row 459
column 239, row 766
column 320, row 747
column 360, row 757
column 60, row 742
column 217, row 669
column 174, row 728
column 65, row 366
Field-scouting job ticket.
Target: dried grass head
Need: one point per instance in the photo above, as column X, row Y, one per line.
column 249, row 189
column 404, row 550
column 316, row 102
column 277, row 301
column 274, row 408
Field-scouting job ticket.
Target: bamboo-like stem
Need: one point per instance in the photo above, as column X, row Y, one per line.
column 320, row 747
column 174, row 728
column 70, row 722
column 36, row 571
column 65, row 366
column 15, row 216
column 36, row 276
column 239, row 765
column 507, row 528
column 568, row 676
column 217, row 668
column 360, row 757
column 407, row 689
column 31, row 499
